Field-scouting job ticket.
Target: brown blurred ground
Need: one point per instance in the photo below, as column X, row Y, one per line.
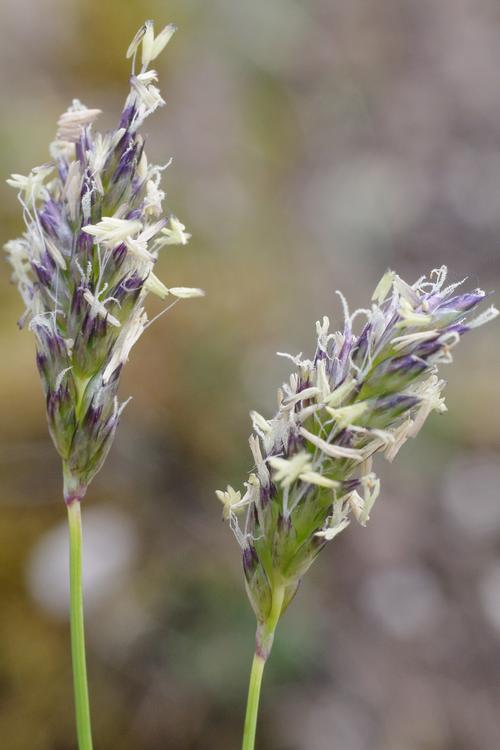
column 315, row 144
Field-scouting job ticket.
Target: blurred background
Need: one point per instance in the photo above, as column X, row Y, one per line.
column 315, row 144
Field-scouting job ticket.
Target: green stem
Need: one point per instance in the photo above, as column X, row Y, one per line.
column 264, row 642
column 83, row 727
column 250, row 728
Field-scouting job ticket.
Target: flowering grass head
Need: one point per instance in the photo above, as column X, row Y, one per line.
column 360, row 395
column 84, row 265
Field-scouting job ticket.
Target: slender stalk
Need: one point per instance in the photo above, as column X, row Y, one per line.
column 252, row 711
column 264, row 642
column 83, row 727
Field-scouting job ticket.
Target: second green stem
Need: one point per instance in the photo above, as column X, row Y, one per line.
column 83, row 726
column 264, row 641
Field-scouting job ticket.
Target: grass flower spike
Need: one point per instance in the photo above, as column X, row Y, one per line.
column 359, row 396
column 84, row 266
column 94, row 229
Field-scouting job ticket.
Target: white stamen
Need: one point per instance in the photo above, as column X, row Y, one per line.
column 139, row 249
column 111, row 231
column 175, row 234
column 383, row 287
column 400, row 435
column 134, row 44
column 303, row 395
column 32, row 184
column 128, row 336
column 231, row 501
column 347, row 415
column 260, row 424
column 340, row 393
column 335, row 451
column 262, row 470
column 287, row 470
column 155, row 286
column 98, row 308
column 153, row 199
column 186, row 292
column 313, row 477
column 148, row 38
column 162, row 40
column 330, row 532
column 72, row 122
